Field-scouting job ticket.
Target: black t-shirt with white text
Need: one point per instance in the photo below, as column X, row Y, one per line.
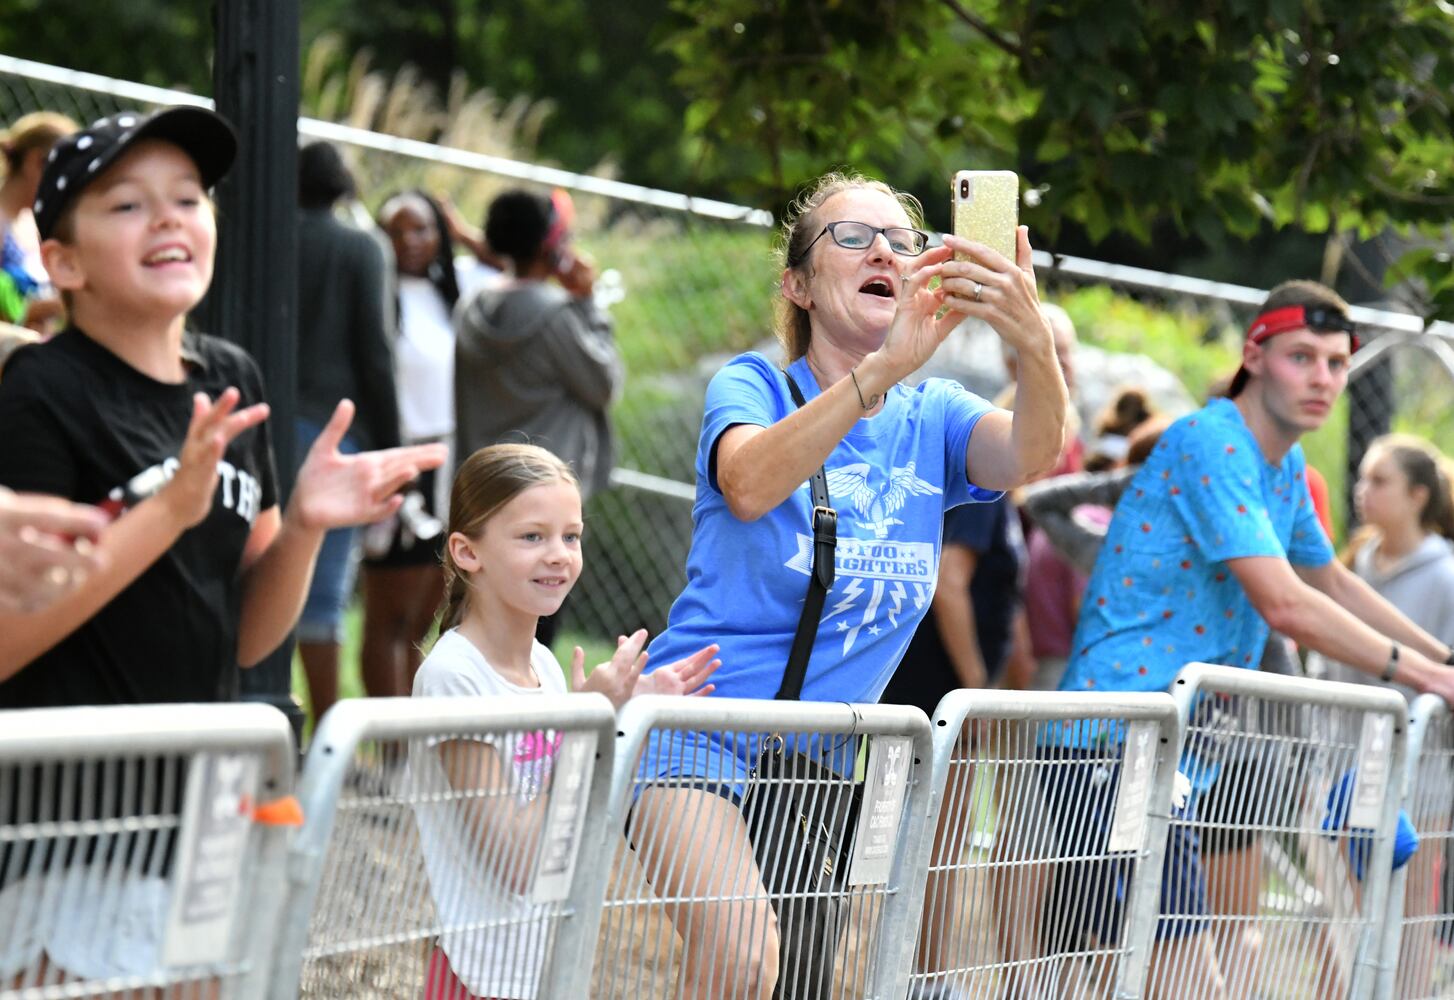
column 77, row 421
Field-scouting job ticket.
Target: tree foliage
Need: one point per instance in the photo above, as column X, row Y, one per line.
column 1331, row 115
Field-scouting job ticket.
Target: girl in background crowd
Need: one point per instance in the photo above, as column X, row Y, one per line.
column 26, row 295
column 1403, row 551
column 401, row 567
column 512, row 555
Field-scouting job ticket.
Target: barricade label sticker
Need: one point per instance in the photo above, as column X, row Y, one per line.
column 882, row 808
column 1138, row 763
column 216, row 823
column 565, row 818
column 1372, row 779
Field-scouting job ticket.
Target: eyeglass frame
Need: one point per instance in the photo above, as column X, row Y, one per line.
column 830, row 229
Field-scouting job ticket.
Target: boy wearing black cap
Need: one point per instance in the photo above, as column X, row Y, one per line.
column 127, row 408
column 1214, row 541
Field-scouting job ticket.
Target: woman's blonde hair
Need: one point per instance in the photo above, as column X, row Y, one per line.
column 800, row 228
column 485, row 482
column 37, row 130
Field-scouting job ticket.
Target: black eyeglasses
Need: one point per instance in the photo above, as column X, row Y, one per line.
column 860, row 236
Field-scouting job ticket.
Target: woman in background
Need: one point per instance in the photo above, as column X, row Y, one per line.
column 402, row 584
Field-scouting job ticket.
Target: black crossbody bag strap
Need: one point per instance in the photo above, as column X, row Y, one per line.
column 820, row 575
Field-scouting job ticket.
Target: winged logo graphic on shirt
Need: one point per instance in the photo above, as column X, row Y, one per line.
column 877, row 508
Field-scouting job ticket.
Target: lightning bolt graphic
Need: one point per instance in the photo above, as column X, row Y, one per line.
column 898, row 593
column 850, row 594
column 921, row 595
column 868, row 613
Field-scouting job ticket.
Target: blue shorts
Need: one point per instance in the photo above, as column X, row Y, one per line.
column 337, row 566
column 1089, row 896
column 722, row 763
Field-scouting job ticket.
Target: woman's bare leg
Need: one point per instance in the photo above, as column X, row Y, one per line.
column 694, row 847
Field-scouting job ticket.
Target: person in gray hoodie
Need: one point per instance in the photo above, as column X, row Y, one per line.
column 535, row 358
column 1404, row 548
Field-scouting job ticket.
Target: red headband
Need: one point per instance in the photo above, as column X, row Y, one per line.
column 1317, row 319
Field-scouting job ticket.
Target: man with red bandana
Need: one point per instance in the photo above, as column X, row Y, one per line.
column 1215, row 541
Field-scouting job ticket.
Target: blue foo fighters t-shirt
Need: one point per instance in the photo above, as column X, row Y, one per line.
column 891, row 479
column 1161, row 595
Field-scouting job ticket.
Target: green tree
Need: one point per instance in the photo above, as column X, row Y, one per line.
column 1217, row 115
column 598, row 64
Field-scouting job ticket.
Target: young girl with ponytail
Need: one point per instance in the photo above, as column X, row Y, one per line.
column 512, row 554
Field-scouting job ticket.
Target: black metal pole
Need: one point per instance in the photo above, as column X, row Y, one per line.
column 1370, row 415
column 253, row 301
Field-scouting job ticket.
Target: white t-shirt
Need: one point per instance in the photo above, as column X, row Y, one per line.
column 495, row 938
column 424, row 351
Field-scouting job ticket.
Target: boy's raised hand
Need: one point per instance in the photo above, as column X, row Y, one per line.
column 616, row 679
column 214, row 424
column 687, row 676
column 334, row 490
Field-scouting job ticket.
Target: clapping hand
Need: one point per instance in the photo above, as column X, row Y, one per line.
column 188, row 494
column 334, row 490
column 46, row 549
column 687, row 676
column 617, row 678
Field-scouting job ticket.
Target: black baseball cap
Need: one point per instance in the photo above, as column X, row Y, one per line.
column 75, row 161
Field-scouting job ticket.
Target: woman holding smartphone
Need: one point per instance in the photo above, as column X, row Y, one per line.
column 857, row 316
column 535, row 359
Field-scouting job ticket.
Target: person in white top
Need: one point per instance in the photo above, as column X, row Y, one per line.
column 401, row 580
column 512, row 554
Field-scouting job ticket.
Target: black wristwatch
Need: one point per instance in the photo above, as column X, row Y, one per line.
column 1391, row 667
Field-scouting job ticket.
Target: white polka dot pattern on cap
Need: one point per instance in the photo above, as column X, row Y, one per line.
column 84, row 142
column 126, row 121
column 91, row 169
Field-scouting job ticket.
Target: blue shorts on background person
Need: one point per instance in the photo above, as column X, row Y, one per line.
column 337, row 568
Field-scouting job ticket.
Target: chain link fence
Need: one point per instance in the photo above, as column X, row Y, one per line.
column 694, row 284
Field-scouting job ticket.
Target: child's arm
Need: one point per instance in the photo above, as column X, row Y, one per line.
column 128, row 547
column 505, row 831
column 332, row 491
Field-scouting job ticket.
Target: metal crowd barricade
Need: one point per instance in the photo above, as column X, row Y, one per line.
column 734, row 873
column 1417, row 962
column 1280, row 863
column 442, row 846
column 140, row 850
column 1045, row 807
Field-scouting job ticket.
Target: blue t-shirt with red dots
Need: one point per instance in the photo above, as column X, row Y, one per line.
column 1161, row 595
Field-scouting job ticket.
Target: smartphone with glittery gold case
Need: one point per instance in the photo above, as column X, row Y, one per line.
column 987, row 208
